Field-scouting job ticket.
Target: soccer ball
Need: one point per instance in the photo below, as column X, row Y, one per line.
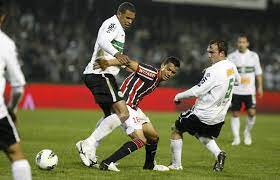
column 46, row 159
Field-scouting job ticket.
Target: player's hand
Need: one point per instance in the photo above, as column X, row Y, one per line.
column 123, row 59
column 100, row 63
column 12, row 115
column 260, row 92
column 177, row 100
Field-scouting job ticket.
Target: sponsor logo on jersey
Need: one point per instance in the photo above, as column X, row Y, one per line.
column 147, row 73
column 111, row 28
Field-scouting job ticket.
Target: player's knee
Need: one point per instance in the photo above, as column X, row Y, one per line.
column 144, row 140
column 251, row 113
column 14, row 153
column 123, row 116
column 154, row 139
column 235, row 114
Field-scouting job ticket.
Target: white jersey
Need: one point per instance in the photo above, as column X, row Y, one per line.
column 248, row 66
column 110, row 40
column 9, row 67
column 214, row 92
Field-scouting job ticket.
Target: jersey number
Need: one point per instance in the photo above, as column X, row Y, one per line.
column 230, row 86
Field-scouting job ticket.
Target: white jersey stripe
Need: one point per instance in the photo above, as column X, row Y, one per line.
column 110, row 88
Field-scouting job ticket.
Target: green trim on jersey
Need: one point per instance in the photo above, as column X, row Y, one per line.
column 246, row 69
column 118, row 45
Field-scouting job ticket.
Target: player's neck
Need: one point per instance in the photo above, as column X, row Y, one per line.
column 242, row 51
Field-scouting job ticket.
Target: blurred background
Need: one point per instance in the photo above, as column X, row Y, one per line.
column 55, row 39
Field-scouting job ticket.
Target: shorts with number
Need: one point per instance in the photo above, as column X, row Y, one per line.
column 189, row 122
column 248, row 100
column 8, row 133
column 135, row 121
column 103, row 87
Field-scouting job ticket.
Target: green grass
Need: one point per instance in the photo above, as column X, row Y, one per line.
column 60, row 129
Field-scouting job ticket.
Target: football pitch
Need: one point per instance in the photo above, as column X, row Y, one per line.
column 59, row 130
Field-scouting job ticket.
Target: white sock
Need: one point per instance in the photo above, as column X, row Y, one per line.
column 176, row 151
column 106, row 126
column 211, row 145
column 250, row 123
column 235, row 126
column 21, row 170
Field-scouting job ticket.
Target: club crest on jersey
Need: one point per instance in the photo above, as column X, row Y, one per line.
column 111, row 28
column 120, row 94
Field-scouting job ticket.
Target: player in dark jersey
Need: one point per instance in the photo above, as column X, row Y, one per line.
column 135, row 87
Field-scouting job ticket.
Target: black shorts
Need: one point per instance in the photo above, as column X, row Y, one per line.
column 8, row 133
column 103, row 87
column 189, row 122
column 248, row 100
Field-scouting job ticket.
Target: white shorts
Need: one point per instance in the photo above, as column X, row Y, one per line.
column 135, row 121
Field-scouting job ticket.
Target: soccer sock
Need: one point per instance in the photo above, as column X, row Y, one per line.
column 106, row 126
column 235, row 126
column 211, row 145
column 250, row 123
column 125, row 150
column 21, row 170
column 151, row 150
column 176, row 151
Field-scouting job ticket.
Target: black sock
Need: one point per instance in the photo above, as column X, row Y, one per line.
column 151, row 150
column 125, row 150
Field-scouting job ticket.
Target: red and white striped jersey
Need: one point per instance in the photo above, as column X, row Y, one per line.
column 139, row 84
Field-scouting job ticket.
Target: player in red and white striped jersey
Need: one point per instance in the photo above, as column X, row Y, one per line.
column 135, row 87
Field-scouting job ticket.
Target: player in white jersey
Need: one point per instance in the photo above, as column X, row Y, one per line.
column 9, row 138
column 249, row 68
column 206, row 118
column 102, row 83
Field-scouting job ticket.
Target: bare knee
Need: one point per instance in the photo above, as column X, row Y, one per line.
column 251, row 112
column 235, row 113
column 175, row 134
column 153, row 139
column 14, row 152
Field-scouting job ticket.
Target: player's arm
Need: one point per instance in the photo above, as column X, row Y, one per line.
column 103, row 64
column 106, row 34
column 203, row 87
column 259, row 79
column 17, row 81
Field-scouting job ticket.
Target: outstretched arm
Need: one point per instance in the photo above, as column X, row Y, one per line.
column 103, row 64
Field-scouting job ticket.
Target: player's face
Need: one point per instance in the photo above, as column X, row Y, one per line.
column 213, row 52
column 242, row 44
column 168, row 71
column 126, row 19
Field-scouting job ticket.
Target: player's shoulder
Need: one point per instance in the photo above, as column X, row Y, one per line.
column 232, row 55
column 253, row 54
column 111, row 24
column 6, row 42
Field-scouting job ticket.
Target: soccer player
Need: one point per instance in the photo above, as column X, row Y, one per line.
column 102, row 83
column 9, row 138
column 249, row 68
column 206, row 118
column 135, row 87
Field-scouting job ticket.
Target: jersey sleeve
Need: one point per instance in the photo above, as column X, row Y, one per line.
column 107, row 32
column 205, row 84
column 146, row 72
column 258, row 68
column 14, row 73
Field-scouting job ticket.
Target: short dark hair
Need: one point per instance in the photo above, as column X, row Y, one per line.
column 222, row 45
column 126, row 6
column 2, row 8
column 173, row 60
column 243, row 35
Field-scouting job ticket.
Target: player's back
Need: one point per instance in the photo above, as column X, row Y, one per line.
column 212, row 106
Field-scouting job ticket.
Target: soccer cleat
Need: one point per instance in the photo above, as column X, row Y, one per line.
column 247, row 138
column 110, row 167
column 219, row 164
column 235, row 142
column 173, row 167
column 160, row 168
column 87, row 159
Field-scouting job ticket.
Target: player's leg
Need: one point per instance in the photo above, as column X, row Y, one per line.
column 151, row 147
column 235, row 120
column 206, row 134
column 250, row 105
column 9, row 142
column 137, row 142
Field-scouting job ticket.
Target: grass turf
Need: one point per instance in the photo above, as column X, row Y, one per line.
column 59, row 130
